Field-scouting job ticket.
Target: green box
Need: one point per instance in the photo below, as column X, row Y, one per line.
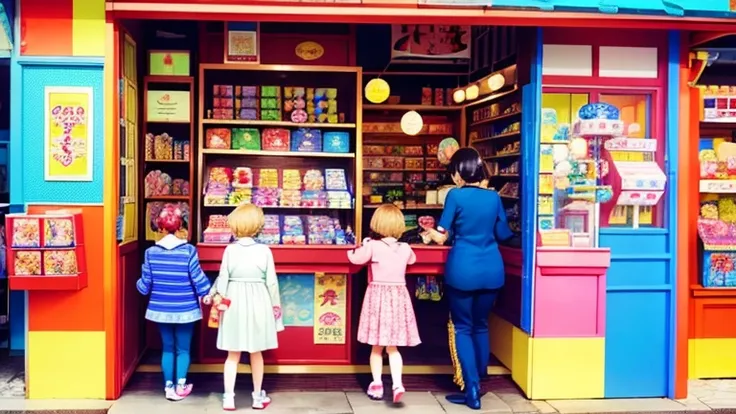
column 169, row 63
column 246, row 139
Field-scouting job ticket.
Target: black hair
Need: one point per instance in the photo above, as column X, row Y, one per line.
column 467, row 163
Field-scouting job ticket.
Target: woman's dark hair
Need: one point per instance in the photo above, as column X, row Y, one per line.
column 467, row 163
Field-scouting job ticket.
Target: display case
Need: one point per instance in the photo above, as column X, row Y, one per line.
column 286, row 138
column 46, row 251
column 168, row 143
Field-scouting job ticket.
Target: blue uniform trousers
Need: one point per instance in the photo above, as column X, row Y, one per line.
column 469, row 311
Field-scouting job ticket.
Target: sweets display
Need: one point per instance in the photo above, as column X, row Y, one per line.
column 270, row 233
column 314, row 105
column 293, row 231
column 58, row 232
column 246, row 139
column 246, row 103
column 26, row 232
column 271, row 103
column 276, row 139
column 217, row 138
column 287, row 229
column 60, row 262
column 218, row 230
column 27, row 263
column 306, row 140
column 158, row 183
column 222, row 102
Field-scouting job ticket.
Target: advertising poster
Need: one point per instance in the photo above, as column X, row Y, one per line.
column 330, row 308
column 242, row 42
column 426, row 41
column 168, row 106
column 297, row 299
column 68, row 134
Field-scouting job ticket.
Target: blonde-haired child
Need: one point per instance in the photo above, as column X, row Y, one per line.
column 248, row 279
column 387, row 319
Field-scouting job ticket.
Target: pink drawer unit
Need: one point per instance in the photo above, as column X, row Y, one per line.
column 570, row 292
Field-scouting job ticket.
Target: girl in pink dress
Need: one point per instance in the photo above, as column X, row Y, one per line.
column 387, row 319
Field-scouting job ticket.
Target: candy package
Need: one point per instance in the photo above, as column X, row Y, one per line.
column 293, row 231
column 291, row 179
column 314, row 180
column 246, row 139
column 163, row 147
column 373, row 162
column 374, row 150
column 26, row 232
column 242, row 178
column 336, row 179
column 267, row 178
column 290, row 198
column 339, row 200
column 218, row 230
column 217, row 138
column 157, row 183
column 27, row 263
column 276, row 139
column 179, row 151
column 240, row 196
column 321, row 230
column 60, row 262
column 266, row 197
column 270, row 233
column 393, row 163
column 295, row 104
column 336, row 142
column 58, row 232
column 414, row 163
column 306, row 140
column 314, row 199
column 149, row 146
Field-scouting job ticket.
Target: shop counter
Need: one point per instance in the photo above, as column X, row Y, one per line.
column 570, row 286
column 288, row 259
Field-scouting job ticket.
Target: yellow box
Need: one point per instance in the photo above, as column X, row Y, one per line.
column 566, row 368
column 711, row 358
column 501, row 339
column 521, row 360
column 66, row 365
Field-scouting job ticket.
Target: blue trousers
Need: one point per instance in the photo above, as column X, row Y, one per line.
column 469, row 311
column 176, row 339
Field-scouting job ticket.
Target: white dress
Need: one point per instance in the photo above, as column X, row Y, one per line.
column 248, row 278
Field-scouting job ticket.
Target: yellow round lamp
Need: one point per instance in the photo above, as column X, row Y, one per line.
column 496, row 82
column 377, row 91
column 412, row 123
column 472, row 92
column 458, row 96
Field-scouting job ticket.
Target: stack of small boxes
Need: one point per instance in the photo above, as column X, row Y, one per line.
column 270, row 103
column 222, row 102
column 246, row 103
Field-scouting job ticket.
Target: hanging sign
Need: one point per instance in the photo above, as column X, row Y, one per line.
column 631, row 144
column 330, row 308
column 425, row 41
column 718, row 186
column 309, row 50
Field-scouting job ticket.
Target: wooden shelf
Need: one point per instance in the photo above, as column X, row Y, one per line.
column 495, row 137
column 285, row 124
column 496, row 118
column 279, row 207
column 168, row 198
column 710, row 129
column 495, row 157
column 278, row 153
column 169, row 79
column 391, row 170
column 417, row 207
column 409, row 107
column 699, row 291
column 169, row 161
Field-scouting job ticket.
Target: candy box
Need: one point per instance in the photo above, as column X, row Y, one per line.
column 270, row 115
column 293, row 231
column 58, row 232
column 276, row 139
column 373, row 162
column 248, row 114
column 246, row 139
column 290, row 198
column 306, row 140
column 163, row 147
column 60, row 262
column 240, row 196
column 336, row 142
column 314, row 180
column 27, row 263
column 374, row 150
column 149, row 145
column 26, row 232
column 266, row 197
column 157, row 183
column 414, row 163
column 267, row 178
column 336, row 179
column 314, row 199
column 217, row 236
column 291, row 179
column 393, row 162
column 217, row 138
column 242, row 177
column 270, row 91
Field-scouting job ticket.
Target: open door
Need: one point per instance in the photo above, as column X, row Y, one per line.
column 131, row 338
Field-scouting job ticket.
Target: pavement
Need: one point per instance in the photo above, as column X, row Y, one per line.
column 706, row 396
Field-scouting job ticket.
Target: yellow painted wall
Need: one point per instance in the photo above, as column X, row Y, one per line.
column 67, row 365
column 567, row 368
column 712, row 358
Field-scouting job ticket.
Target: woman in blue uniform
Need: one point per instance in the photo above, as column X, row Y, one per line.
column 475, row 220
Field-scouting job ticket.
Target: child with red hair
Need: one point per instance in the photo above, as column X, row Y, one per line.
column 171, row 274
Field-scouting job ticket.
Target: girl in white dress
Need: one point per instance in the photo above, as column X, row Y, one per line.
column 248, row 278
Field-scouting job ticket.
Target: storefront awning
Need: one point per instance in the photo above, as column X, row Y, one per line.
column 6, row 27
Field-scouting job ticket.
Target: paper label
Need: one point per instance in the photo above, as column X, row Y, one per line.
column 330, row 308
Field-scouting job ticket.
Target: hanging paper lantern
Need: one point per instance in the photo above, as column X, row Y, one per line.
column 472, row 92
column 412, row 123
column 377, row 91
column 496, row 82
column 458, row 96
column 447, row 148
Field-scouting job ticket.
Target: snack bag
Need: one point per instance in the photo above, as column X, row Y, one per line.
column 219, row 304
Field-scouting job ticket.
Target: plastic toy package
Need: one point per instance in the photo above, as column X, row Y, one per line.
column 26, row 232
column 58, row 232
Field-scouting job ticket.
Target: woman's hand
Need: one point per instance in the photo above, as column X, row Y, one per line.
column 207, row 299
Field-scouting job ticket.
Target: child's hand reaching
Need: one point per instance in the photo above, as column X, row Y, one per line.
column 277, row 312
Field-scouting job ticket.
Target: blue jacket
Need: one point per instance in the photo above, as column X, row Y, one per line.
column 171, row 274
column 475, row 219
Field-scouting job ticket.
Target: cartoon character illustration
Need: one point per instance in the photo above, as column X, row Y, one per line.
column 330, row 319
column 329, row 296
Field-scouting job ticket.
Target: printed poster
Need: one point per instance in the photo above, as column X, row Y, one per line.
column 297, row 299
column 168, row 106
column 241, row 42
column 426, row 41
column 330, row 308
column 68, row 134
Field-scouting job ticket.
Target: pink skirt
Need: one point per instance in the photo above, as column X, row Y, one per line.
column 387, row 317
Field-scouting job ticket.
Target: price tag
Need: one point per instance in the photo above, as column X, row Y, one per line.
column 718, row 186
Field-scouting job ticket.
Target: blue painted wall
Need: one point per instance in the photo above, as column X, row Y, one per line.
column 641, row 282
column 35, row 189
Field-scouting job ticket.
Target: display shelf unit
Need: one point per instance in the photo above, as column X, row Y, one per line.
column 46, row 251
column 168, row 150
column 494, row 130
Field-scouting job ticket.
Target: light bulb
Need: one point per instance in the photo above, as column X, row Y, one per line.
column 458, row 96
column 496, row 82
column 412, row 123
column 377, row 91
column 472, row 92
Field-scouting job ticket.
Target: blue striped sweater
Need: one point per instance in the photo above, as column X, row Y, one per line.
column 171, row 274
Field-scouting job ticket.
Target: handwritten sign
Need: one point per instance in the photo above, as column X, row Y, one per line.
column 718, row 186
column 631, row 144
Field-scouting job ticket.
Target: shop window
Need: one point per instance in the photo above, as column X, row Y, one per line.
column 128, row 210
